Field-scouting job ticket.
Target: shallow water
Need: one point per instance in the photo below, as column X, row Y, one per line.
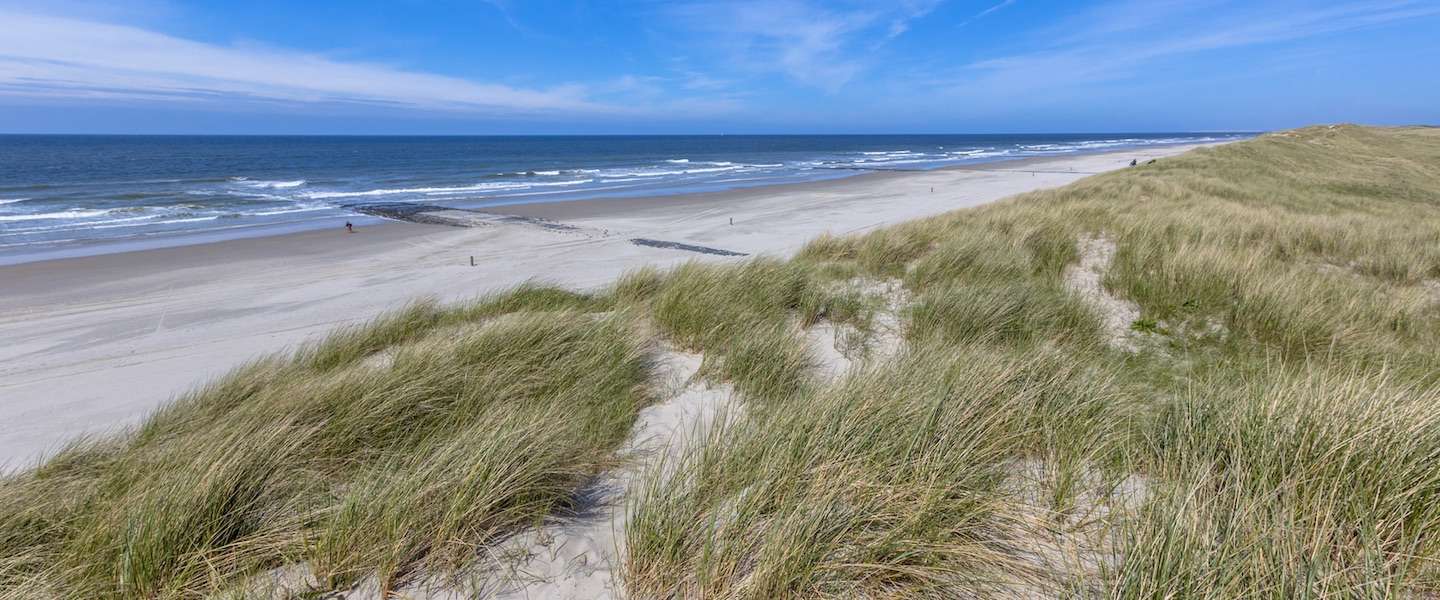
column 69, row 192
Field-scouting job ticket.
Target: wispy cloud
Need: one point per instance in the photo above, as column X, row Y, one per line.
column 985, row 13
column 907, row 11
column 59, row 57
column 506, row 10
column 811, row 44
column 1120, row 41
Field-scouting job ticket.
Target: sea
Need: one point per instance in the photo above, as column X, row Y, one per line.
column 68, row 195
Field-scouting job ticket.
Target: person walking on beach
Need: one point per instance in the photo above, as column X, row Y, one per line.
column 349, row 228
column 1132, row 162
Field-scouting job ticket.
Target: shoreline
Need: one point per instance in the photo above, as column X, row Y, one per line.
column 585, row 208
column 598, row 206
column 96, row 342
column 108, row 266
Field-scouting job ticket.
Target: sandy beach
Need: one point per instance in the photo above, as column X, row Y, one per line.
column 92, row 344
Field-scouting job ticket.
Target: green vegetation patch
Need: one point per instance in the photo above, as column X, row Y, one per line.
column 383, row 451
column 886, row 485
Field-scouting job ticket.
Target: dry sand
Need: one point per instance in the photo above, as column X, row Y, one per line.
column 93, row 344
column 1086, row 280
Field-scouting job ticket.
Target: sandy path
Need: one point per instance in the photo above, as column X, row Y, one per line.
column 582, row 558
column 92, row 344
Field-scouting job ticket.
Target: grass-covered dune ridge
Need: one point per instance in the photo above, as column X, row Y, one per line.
column 1245, row 403
column 1315, row 241
column 400, row 444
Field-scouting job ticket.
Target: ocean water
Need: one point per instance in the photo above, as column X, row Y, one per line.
column 67, row 195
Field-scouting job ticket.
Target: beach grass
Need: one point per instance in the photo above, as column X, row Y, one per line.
column 888, row 484
column 1268, row 430
column 1242, row 403
column 385, row 451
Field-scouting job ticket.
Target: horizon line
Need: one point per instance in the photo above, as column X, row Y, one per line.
column 1152, row 132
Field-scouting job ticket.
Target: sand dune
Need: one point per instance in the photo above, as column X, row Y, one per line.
column 92, row 344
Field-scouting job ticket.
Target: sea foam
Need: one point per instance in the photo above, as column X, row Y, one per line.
column 64, row 214
column 440, row 191
column 273, row 185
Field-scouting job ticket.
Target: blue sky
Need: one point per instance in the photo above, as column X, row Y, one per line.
column 708, row 66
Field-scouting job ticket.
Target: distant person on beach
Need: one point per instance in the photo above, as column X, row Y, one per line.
column 349, row 228
column 1132, row 162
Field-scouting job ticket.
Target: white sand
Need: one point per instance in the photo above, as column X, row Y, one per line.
column 91, row 345
column 1086, row 280
column 578, row 556
column 841, row 347
column 581, row 559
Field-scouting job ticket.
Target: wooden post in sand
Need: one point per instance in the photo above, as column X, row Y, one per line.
column 472, row 261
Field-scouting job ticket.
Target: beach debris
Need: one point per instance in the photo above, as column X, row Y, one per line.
column 464, row 217
column 399, row 211
column 686, row 247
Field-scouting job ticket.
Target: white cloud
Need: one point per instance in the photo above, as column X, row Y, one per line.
column 822, row 47
column 59, row 57
column 987, row 12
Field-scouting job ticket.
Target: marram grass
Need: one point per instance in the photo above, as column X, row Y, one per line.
column 381, row 451
column 1276, row 435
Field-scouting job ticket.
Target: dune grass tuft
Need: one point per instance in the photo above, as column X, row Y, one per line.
column 1291, row 482
column 886, row 485
column 355, row 468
